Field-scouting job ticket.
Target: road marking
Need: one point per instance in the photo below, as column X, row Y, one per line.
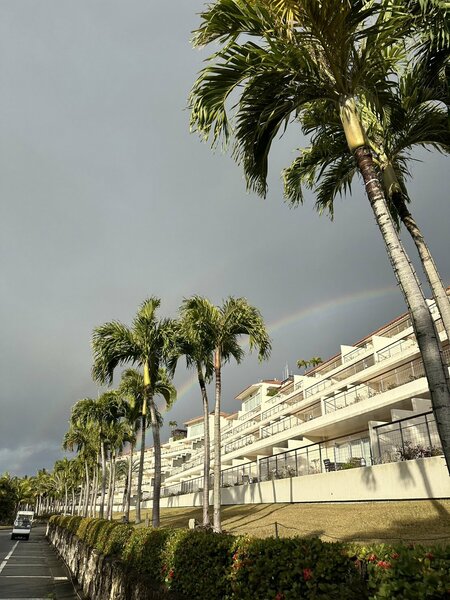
column 60, row 578
column 7, row 557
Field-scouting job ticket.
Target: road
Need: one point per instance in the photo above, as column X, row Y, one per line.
column 31, row 569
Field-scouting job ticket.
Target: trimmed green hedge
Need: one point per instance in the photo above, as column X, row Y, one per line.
column 198, row 564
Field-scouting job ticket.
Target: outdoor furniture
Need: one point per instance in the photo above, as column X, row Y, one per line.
column 329, row 466
column 332, row 466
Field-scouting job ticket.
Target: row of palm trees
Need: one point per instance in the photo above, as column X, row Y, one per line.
column 368, row 82
column 207, row 336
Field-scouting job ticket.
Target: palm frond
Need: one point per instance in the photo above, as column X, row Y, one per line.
column 113, row 345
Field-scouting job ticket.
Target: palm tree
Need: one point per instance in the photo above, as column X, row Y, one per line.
column 198, row 350
column 132, row 390
column 84, row 440
column 327, row 55
column 222, row 326
column 146, row 345
column 101, row 413
column 118, row 434
column 417, row 116
column 312, row 362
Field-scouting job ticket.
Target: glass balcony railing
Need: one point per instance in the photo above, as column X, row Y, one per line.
column 356, row 352
column 241, row 443
column 396, row 348
column 280, row 426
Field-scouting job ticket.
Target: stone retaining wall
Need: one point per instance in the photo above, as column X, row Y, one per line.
column 99, row 577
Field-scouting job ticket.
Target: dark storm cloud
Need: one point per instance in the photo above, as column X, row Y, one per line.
column 107, row 198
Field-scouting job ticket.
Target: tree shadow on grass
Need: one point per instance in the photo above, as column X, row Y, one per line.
column 247, row 517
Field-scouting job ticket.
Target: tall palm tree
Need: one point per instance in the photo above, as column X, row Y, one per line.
column 198, row 349
column 415, row 115
column 326, row 54
column 146, row 344
column 223, row 326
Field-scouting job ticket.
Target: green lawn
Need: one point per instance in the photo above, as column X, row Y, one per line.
column 417, row 521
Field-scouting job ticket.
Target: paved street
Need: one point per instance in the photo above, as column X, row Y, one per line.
column 31, row 570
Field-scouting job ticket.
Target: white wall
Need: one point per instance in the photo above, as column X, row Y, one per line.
column 407, row 480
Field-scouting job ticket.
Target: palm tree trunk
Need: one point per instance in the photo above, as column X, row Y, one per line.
column 206, row 463
column 109, row 484
column 72, row 512
column 217, row 456
column 429, row 266
column 87, row 490
column 141, row 465
column 130, row 477
column 94, row 490
column 113, row 488
column 427, row 338
column 103, row 483
column 66, row 499
column 157, row 463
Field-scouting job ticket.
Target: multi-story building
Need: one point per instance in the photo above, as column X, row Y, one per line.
column 359, row 414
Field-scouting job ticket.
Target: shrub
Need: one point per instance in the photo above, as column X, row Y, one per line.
column 293, row 569
column 407, row 572
column 117, row 539
column 186, row 559
column 143, row 552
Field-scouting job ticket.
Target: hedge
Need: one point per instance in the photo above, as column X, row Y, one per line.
column 199, row 564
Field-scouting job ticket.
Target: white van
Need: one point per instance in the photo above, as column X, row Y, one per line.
column 22, row 524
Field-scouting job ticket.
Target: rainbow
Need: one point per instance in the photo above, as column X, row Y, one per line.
column 304, row 313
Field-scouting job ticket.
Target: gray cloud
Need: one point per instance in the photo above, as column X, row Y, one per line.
column 107, row 198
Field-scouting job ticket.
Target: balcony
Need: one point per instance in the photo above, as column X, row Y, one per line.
column 241, row 443
column 396, row 348
column 356, row 352
column 280, row 426
column 355, row 394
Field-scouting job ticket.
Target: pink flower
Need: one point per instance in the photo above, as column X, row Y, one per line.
column 279, row 596
column 384, row 564
column 372, row 558
column 395, row 555
column 171, row 574
column 307, row 574
column 429, row 555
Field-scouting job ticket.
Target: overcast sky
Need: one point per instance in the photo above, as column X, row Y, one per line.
column 106, row 198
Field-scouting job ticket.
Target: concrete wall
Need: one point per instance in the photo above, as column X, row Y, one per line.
column 407, row 480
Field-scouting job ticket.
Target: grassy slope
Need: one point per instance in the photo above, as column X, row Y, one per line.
column 419, row 521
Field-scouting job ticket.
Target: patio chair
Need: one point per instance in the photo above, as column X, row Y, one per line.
column 329, row 466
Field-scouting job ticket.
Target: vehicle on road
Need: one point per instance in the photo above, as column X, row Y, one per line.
column 22, row 524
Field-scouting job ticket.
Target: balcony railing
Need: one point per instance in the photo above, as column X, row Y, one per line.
column 337, row 362
column 396, row 329
column 405, row 439
column 340, row 453
column 356, row 352
column 396, row 348
column 318, row 387
column 250, row 413
column 241, row 443
column 280, row 426
column 351, row 396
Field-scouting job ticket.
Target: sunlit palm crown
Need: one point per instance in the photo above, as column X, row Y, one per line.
column 222, row 326
column 147, row 341
column 415, row 114
column 281, row 58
